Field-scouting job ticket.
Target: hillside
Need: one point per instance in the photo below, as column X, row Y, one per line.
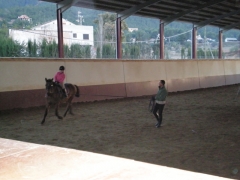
column 18, row 3
column 42, row 12
column 11, row 9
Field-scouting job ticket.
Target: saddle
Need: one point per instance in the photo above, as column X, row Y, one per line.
column 61, row 91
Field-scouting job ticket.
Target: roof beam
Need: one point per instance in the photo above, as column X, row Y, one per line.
column 206, row 22
column 180, row 14
column 88, row 5
column 231, row 26
column 66, row 4
column 128, row 12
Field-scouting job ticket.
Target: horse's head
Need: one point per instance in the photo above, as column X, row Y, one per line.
column 49, row 84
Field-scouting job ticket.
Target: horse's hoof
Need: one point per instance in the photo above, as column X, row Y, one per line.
column 59, row 117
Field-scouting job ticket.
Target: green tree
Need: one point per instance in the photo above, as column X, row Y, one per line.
column 140, row 35
column 44, row 51
column 76, row 51
column 106, row 31
column 10, row 48
column 87, row 51
column 53, row 49
column 3, row 29
column 189, row 53
column 67, row 52
column 19, row 24
column 98, row 52
column 108, row 51
column 156, row 51
column 32, row 48
column 200, row 54
column 145, row 50
column 135, row 51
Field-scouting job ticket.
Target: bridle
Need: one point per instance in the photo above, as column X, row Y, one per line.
column 49, row 87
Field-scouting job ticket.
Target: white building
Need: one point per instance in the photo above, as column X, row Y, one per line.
column 132, row 29
column 72, row 34
column 231, row 40
column 25, row 18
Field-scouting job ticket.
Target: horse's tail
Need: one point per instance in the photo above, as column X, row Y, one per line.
column 78, row 92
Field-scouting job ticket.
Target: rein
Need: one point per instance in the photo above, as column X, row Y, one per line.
column 101, row 95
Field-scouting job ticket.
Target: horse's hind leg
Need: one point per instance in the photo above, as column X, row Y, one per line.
column 69, row 106
column 45, row 114
column 56, row 112
column 70, row 110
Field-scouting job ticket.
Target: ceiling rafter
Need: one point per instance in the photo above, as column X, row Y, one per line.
column 180, row 14
column 231, row 26
column 220, row 13
column 206, row 22
column 128, row 12
column 66, row 4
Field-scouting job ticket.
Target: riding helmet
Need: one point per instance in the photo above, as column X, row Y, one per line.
column 62, row 68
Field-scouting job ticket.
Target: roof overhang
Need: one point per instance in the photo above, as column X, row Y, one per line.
column 219, row 13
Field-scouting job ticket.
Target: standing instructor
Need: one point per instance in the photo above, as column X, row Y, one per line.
column 160, row 100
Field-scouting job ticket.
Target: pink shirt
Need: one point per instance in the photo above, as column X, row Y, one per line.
column 59, row 77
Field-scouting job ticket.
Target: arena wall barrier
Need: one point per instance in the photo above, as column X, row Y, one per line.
column 232, row 71
column 142, row 77
column 211, row 73
column 22, row 82
column 97, row 80
column 182, row 75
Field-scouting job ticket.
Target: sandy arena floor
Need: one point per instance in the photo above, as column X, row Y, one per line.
column 200, row 133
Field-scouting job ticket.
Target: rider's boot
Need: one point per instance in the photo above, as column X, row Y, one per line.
column 64, row 93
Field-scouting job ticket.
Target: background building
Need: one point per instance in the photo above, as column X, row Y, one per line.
column 72, row 33
column 25, row 18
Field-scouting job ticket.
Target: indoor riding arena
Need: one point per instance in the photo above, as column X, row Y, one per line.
column 112, row 134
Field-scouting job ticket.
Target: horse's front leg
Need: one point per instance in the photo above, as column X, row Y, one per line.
column 56, row 111
column 68, row 108
column 45, row 114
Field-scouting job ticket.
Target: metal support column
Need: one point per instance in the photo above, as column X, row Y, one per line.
column 161, row 32
column 194, row 43
column 119, row 38
column 220, row 45
column 60, row 34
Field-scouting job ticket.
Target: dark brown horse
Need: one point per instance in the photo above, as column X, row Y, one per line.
column 55, row 97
